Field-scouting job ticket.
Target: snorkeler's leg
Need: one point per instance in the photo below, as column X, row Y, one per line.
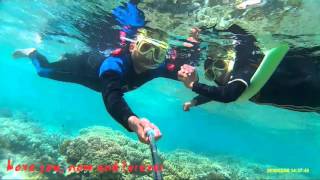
column 39, row 61
column 72, row 68
column 81, row 69
column 23, row 53
column 61, row 70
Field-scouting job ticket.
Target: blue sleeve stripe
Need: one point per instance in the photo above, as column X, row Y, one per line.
column 114, row 64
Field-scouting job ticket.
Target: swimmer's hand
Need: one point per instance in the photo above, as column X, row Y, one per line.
column 187, row 106
column 141, row 127
column 188, row 75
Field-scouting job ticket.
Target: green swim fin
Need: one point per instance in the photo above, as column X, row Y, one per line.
column 269, row 64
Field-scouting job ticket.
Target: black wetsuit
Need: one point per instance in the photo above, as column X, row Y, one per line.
column 247, row 55
column 296, row 82
column 112, row 75
column 293, row 85
column 81, row 69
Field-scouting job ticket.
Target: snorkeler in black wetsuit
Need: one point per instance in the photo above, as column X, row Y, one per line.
column 145, row 57
column 292, row 86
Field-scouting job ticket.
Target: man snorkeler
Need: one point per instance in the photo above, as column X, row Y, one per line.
column 143, row 54
column 294, row 84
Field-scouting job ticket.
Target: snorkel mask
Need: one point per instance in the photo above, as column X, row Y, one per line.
column 219, row 63
column 218, row 70
column 149, row 49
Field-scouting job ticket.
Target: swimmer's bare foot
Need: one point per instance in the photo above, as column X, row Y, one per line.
column 23, row 53
column 249, row 3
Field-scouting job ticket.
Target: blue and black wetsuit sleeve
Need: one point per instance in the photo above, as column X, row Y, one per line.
column 111, row 75
column 113, row 98
column 225, row 94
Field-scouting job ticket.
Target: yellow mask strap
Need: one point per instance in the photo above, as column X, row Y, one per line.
column 154, row 42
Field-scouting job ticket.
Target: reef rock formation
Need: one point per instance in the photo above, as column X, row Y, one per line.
column 291, row 21
column 102, row 153
column 104, row 146
column 24, row 142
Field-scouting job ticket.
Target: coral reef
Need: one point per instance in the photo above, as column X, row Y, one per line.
column 187, row 165
column 100, row 145
column 25, row 142
column 102, row 153
column 277, row 20
column 5, row 112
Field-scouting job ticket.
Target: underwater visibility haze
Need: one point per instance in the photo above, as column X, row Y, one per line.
column 52, row 122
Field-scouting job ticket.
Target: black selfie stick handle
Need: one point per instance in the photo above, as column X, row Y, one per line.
column 155, row 156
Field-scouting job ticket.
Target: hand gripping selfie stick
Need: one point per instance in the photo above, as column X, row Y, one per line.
column 155, row 156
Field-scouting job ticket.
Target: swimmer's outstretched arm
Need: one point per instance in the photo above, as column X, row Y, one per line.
column 226, row 94
column 113, row 99
column 119, row 109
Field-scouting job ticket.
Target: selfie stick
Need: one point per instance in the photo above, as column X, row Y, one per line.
column 155, row 156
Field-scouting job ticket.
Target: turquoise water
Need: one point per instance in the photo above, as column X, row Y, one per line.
column 257, row 133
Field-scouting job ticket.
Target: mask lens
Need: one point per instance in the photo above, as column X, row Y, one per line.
column 156, row 54
column 145, row 47
column 210, row 75
column 219, row 64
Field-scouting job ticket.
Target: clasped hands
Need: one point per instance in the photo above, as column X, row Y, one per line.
column 188, row 75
